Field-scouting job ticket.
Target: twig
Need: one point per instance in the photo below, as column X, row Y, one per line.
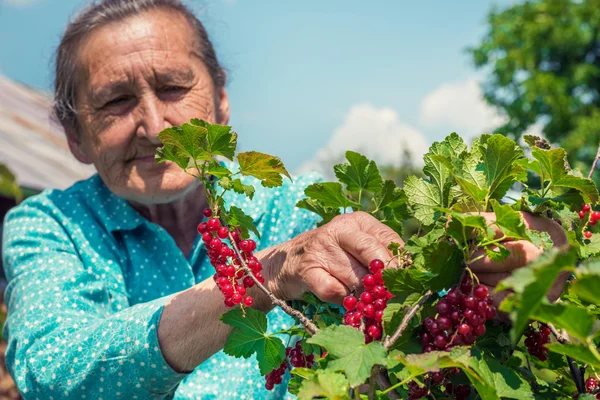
column 389, row 341
column 573, row 367
column 371, row 393
column 307, row 323
column 594, row 163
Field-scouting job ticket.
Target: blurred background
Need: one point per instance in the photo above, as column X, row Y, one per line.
column 309, row 80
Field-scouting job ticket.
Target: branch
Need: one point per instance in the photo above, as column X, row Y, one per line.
column 307, row 323
column 564, row 338
column 594, row 163
column 389, row 341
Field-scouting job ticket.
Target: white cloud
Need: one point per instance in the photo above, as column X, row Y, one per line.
column 461, row 107
column 377, row 133
column 21, row 3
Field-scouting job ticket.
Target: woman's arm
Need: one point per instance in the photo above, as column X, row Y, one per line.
column 71, row 333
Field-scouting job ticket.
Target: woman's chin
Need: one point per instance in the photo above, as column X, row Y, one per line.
column 162, row 188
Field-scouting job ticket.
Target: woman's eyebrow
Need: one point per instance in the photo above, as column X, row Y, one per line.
column 175, row 76
column 104, row 92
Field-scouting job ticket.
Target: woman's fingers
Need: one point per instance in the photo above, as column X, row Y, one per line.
column 521, row 252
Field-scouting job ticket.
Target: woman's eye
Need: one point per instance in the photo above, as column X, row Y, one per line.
column 117, row 101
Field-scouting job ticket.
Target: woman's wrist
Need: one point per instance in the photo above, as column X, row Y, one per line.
column 274, row 260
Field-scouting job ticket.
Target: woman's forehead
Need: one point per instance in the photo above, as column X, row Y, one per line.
column 158, row 40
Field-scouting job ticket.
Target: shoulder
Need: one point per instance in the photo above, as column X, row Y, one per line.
column 51, row 202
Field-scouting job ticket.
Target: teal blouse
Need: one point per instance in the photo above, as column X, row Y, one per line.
column 88, row 277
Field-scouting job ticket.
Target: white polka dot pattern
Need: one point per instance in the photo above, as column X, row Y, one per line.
column 88, row 278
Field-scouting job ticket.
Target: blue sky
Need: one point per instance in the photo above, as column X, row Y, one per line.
column 309, row 79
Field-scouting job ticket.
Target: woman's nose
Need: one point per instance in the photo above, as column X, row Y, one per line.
column 151, row 118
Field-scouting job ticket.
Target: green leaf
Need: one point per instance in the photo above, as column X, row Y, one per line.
column 220, row 140
column 182, row 145
column 531, row 284
column 268, row 169
column 582, row 353
column 392, row 198
column 499, row 154
column 404, row 282
column 8, row 184
column 536, row 141
column 238, row 186
column 326, row 213
column 238, row 218
column 424, row 198
column 249, row 336
column 216, row 169
column 497, row 253
column 444, row 261
column 330, row 194
column 588, row 282
column 509, row 221
column 350, row 354
column 327, row 384
column 575, row 320
column 359, row 174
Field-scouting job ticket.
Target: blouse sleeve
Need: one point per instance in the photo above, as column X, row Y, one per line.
column 70, row 333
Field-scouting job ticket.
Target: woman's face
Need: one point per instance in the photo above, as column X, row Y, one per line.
column 136, row 78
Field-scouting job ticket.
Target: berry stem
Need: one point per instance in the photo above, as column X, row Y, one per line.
column 308, row 325
column 384, row 384
column 389, row 341
column 397, row 385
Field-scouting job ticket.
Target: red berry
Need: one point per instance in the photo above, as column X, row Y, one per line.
column 490, row 312
column 213, row 224
column 480, row 291
column 207, row 212
column 230, row 271
column 207, row 237
column 592, row 222
column 374, row 331
column 350, row 303
column 379, row 315
column 369, row 311
column 228, row 302
column 227, row 290
column 470, row 302
column 437, row 377
column 443, row 308
column 591, row 384
column 595, row 216
column 223, row 232
column 379, row 304
column 202, row 228
column 248, row 282
column 479, row 330
column 463, row 329
column 236, row 298
column 369, row 281
column 587, row 234
column 366, row 298
column 444, row 323
column 581, row 214
column 440, row 341
column 376, row 266
column 586, row 208
column 248, row 301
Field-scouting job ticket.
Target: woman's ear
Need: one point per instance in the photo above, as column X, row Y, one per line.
column 76, row 146
column 223, row 111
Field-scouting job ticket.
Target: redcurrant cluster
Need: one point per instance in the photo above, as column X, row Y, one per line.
column 368, row 309
column 460, row 392
column 230, row 276
column 535, row 341
column 297, row 359
column 591, row 385
column 594, row 218
column 462, row 314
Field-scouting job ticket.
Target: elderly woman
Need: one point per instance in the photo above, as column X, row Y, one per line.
column 110, row 291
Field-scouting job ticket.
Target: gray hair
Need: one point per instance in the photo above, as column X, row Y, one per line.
column 101, row 13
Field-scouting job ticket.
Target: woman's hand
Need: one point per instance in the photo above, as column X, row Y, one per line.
column 329, row 261
column 521, row 253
